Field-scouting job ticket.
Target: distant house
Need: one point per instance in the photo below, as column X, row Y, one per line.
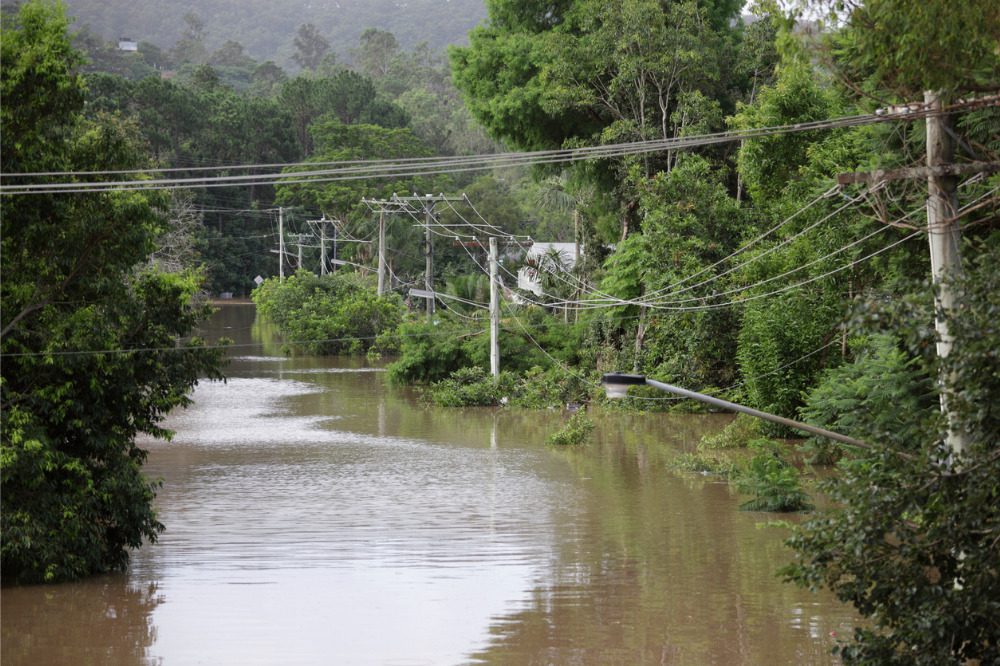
column 128, row 44
column 537, row 259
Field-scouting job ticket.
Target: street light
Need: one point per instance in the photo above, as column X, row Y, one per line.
column 616, row 385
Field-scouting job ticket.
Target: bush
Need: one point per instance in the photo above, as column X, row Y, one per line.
column 737, row 434
column 574, row 432
column 333, row 314
column 472, row 387
column 430, row 352
column 535, row 389
column 772, row 481
column 871, row 398
column 705, row 463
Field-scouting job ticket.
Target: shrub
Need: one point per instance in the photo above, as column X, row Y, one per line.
column 576, row 431
column 333, row 314
column 772, row 481
column 737, row 434
column 472, row 387
column 705, row 463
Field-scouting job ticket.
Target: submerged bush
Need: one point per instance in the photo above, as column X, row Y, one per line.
column 574, row 432
column 774, row 483
column 737, row 434
column 705, row 463
column 339, row 313
column 472, row 387
column 535, row 389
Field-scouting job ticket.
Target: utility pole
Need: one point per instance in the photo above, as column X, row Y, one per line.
column 281, row 244
column 943, row 231
column 322, row 246
column 409, row 205
column 381, row 252
column 429, row 255
column 944, row 235
column 494, row 311
column 298, row 242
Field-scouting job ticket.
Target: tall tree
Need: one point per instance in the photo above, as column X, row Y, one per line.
column 310, row 46
column 375, row 53
column 90, row 339
column 190, row 47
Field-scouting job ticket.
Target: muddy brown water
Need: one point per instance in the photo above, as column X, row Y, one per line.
column 316, row 515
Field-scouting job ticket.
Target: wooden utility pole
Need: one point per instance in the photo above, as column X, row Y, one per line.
column 429, row 255
column 409, row 205
column 322, row 246
column 943, row 231
column 281, row 244
column 944, row 235
column 381, row 252
column 298, row 241
column 494, row 310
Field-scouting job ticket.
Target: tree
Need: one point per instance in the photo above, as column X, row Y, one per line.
column 912, row 542
column 310, row 47
column 190, row 48
column 336, row 142
column 906, row 48
column 375, row 54
column 90, row 338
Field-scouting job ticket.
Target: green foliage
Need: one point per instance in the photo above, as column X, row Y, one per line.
column 534, row 389
column 339, row 313
column 90, row 339
column 335, row 141
column 874, row 397
column 932, row 45
column 705, row 462
column 472, row 387
column 918, row 557
column 767, row 164
column 430, row 352
column 573, row 433
column 737, row 434
column 777, row 332
column 773, row 482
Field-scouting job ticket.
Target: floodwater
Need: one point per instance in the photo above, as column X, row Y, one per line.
column 316, row 515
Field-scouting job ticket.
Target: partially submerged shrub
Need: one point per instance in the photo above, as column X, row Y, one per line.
column 772, row 481
column 705, row 463
column 472, row 387
column 737, row 434
column 576, row 431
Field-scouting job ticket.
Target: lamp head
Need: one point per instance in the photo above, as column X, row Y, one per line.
column 616, row 385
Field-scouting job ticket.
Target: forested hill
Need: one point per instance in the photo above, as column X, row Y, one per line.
column 267, row 28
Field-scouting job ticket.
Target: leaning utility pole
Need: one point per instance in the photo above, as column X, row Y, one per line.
column 944, row 235
column 494, row 310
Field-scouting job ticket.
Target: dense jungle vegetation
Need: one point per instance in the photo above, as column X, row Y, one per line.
column 735, row 268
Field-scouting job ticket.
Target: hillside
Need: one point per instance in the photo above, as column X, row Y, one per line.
column 266, row 28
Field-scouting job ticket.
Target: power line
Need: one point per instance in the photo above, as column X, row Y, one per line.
column 409, row 167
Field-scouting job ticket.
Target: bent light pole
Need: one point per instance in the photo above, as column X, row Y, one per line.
column 616, row 386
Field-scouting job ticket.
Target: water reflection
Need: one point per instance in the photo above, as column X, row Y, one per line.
column 105, row 620
column 315, row 515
